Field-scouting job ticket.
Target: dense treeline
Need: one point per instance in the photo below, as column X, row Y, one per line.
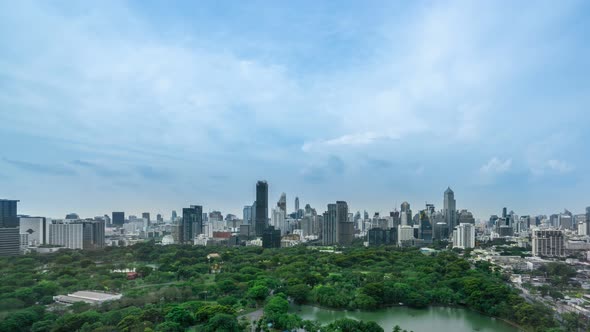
column 176, row 290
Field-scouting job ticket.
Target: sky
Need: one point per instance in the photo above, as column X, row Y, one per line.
column 156, row 105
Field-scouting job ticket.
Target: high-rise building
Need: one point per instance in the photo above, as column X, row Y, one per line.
column 282, row 203
column 379, row 236
column 92, row 234
column 118, row 218
column 329, row 226
column 261, row 221
column 271, row 238
column 159, row 218
column 296, row 204
column 146, row 215
column 8, row 210
column 35, row 228
column 464, row 236
column 425, row 226
column 344, row 234
column 405, row 214
column 9, row 228
column 465, row 217
column 192, row 224
column 9, row 241
column 174, row 216
column 66, row 234
column 450, row 209
column 247, row 215
column 548, row 243
column 405, row 234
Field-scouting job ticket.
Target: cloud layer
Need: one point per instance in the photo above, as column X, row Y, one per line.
column 150, row 107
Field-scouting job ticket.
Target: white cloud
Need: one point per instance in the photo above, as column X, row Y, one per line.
column 496, row 166
column 351, row 140
column 560, row 166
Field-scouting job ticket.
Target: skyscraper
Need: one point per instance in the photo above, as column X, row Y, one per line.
column 282, row 203
column 8, row 216
column 118, row 218
column 464, row 236
column 261, row 210
column 405, row 214
column 296, row 204
column 174, row 216
column 450, row 210
column 247, row 215
column 146, row 215
column 9, row 228
column 329, row 227
column 192, row 223
column 344, row 229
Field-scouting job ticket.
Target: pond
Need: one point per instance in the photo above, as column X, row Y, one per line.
column 418, row 320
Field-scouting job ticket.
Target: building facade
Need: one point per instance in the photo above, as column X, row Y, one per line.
column 261, row 210
column 548, row 243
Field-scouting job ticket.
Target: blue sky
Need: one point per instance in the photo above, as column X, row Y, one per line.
column 151, row 106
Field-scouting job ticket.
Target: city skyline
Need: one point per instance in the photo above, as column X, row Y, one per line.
column 128, row 106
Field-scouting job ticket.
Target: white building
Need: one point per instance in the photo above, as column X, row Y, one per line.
column 464, row 236
column 66, row 234
column 278, row 220
column 86, row 296
column 404, row 233
column 35, row 228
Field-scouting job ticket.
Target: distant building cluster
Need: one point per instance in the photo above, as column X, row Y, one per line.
column 273, row 226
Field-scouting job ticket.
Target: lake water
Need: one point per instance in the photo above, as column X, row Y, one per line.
column 418, row 320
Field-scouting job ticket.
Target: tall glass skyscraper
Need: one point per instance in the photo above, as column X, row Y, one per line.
column 261, row 210
column 192, row 223
column 450, row 208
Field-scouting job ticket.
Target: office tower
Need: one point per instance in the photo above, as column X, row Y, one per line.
column 92, row 234
column 465, row 217
column 548, row 243
column 118, row 218
column 504, row 213
column 271, row 238
column 69, row 235
column 159, row 218
column 464, row 236
column 296, row 204
column 379, row 236
column 344, row 228
column 588, row 221
column 261, row 210
column 282, row 203
column 35, row 228
column 9, row 241
column 405, row 214
column 247, row 215
column 191, row 224
column 329, row 226
column 174, row 216
column 278, row 220
column 146, row 215
column 405, row 234
column 9, row 228
column 450, row 209
column 72, row 216
column 8, row 210
column 441, row 231
column 425, row 227
column 565, row 221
